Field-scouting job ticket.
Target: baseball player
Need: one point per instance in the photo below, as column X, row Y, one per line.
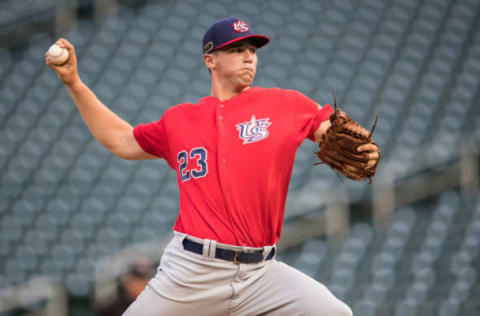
column 233, row 153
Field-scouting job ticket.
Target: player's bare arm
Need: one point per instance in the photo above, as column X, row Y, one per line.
column 321, row 130
column 110, row 130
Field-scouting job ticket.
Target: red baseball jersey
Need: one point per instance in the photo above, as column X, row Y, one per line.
column 234, row 160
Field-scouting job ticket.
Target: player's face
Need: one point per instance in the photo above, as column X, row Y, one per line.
column 237, row 63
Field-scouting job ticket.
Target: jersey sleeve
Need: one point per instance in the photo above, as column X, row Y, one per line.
column 152, row 137
column 309, row 115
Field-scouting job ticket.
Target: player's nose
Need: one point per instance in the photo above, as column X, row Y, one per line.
column 248, row 56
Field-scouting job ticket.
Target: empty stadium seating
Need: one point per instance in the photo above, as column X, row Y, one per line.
column 424, row 263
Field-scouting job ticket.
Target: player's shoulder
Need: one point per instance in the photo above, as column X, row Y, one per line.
column 273, row 91
column 277, row 91
column 284, row 94
column 179, row 108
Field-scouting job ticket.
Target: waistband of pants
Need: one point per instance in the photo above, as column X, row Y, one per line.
column 237, row 254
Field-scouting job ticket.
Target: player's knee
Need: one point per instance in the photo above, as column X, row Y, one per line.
column 340, row 309
column 345, row 310
column 333, row 307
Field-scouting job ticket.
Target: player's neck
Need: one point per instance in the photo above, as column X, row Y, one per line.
column 225, row 92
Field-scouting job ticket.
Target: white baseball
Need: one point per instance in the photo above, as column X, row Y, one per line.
column 57, row 55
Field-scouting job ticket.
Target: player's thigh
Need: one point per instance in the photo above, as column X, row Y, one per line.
column 148, row 303
column 310, row 296
column 283, row 290
column 144, row 304
column 152, row 303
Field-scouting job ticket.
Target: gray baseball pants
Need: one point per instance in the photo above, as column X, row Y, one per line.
column 194, row 285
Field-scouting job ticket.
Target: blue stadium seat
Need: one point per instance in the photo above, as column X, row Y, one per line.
column 14, row 272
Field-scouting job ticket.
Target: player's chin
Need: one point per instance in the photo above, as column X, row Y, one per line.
column 246, row 79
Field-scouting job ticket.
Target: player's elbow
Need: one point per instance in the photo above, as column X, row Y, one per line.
column 128, row 148
column 122, row 155
column 117, row 150
column 134, row 155
column 119, row 147
column 123, row 152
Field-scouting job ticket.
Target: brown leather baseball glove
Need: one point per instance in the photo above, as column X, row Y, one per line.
column 339, row 147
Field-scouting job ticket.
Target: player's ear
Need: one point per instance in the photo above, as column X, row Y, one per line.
column 209, row 60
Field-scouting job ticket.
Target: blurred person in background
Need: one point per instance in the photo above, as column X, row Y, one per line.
column 128, row 286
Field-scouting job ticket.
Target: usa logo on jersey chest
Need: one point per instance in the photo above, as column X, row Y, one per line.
column 253, row 130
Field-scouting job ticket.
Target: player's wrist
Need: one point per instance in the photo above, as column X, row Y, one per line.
column 75, row 85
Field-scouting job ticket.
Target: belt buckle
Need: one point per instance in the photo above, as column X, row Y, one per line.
column 235, row 257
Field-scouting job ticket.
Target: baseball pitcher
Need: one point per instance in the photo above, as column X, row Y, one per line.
column 233, row 153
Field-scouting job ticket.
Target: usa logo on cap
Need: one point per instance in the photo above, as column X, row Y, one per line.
column 228, row 31
column 240, row 26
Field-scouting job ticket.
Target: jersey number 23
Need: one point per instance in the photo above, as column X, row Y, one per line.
column 199, row 170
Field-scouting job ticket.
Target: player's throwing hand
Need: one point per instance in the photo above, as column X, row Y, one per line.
column 67, row 72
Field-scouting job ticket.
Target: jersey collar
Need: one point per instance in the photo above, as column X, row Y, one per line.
column 208, row 99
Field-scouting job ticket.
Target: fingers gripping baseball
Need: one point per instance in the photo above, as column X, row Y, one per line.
column 67, row 71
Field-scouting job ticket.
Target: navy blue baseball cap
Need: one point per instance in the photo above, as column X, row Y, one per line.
column 228, row 31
